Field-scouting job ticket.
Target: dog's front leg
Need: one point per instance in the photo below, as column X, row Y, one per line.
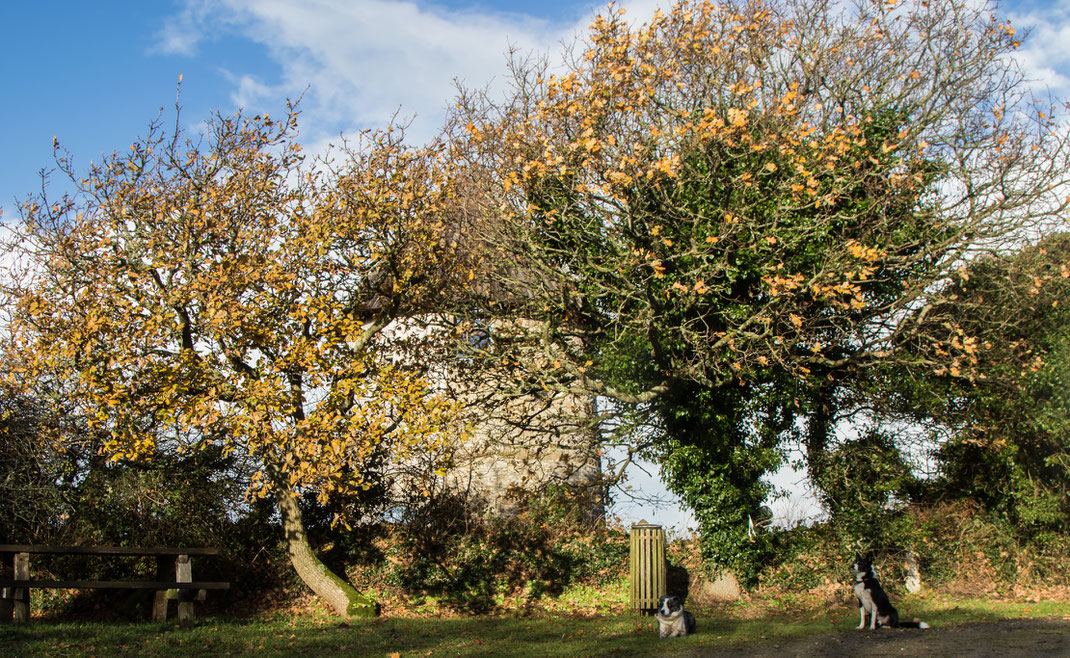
column 873, row 618
column 861, row 616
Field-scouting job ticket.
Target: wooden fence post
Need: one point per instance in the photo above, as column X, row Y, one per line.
column 913, row 568
column 22, row 594
column 648, row 566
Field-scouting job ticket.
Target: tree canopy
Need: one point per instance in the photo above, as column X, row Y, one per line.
column 225, row 293
column 722, row 218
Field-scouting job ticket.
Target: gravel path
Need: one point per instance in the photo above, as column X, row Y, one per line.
column 1011, row 637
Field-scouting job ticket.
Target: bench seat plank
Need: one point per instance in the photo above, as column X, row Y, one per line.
column 111, row 584
column 106, row 550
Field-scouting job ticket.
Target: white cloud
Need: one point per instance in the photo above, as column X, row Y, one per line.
column 183, row 32
column 358, row 63
column 251, row 92
column 1045, row 56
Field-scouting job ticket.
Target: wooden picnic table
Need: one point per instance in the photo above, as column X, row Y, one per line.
column 174, row 574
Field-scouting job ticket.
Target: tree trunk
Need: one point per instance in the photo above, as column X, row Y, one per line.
column 346, row 601
column 820, row 426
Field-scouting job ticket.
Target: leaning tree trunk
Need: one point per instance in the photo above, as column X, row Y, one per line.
column 326, row 584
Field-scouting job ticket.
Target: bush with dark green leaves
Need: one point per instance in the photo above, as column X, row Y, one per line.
column 468, row 561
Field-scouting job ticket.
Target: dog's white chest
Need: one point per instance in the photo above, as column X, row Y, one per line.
column 864, row 596
column 672, row 625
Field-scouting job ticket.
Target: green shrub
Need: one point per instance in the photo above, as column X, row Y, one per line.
column 958, row 544
column 473, row 562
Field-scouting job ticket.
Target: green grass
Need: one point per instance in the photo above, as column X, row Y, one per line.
column 737, row 626
column 455, row 637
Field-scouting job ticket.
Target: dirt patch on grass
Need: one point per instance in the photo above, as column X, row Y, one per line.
column 1008, row 637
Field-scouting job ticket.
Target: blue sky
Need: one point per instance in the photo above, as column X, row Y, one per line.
column 94, row 74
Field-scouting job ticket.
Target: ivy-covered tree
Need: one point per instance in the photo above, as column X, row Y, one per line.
column 218, row 293
column 863, row 480
column 718, row 220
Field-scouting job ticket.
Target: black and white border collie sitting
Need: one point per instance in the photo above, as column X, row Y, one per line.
column 673, row 620
column 873, row 599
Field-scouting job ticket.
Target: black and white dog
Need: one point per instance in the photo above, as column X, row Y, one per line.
column 673, row 620
column 873, row 599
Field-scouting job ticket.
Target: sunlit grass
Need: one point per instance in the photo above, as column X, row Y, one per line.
column 557, row 634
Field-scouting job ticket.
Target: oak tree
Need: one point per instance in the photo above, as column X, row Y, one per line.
column 220, row 290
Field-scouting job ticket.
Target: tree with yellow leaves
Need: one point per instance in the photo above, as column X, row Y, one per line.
column 719, row 219
column 225, row 292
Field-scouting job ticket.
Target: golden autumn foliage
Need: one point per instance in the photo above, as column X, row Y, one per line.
column 229, row 292
column 747, row 185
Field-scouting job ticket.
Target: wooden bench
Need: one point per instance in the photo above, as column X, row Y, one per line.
column 170, row 582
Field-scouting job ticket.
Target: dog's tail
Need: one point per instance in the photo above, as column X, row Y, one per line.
column 913, row 624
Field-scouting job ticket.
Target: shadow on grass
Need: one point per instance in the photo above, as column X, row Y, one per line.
column 621, row 635
column 542, row 636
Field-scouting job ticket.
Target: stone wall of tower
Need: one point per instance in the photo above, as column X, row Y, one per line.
column 517, row 447
column 527, row 447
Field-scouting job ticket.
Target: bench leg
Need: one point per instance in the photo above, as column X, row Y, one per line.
column 159, row 602
column 22, row 594
column 159, row 606
column 184, row 574
column 7, row 594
